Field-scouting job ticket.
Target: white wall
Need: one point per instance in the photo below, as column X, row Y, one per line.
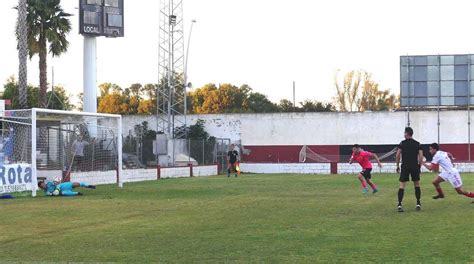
column 326, row 128
column 137, row 175
column 301, row 168
column 324, row 168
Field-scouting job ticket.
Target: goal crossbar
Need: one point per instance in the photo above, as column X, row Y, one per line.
column 43, row 140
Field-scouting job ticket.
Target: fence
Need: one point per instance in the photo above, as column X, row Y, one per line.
column 139, row 152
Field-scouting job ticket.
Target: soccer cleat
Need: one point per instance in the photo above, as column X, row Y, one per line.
column 400, row 209
column 365, row 190
column 91, row 187
column 418, row 207
column 439, row 196
column 375, row 191
column 235, row 175
column 79, row 193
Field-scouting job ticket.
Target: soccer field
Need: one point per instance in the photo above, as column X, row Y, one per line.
column 259, row 218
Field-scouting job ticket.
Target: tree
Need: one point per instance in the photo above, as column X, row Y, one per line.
column 226, row 98
column 348, row 92
column 259, row 103
column 205, row 99
column 146, row 107
column 200, row 142
column 22, row 38
column 316, row 106
column 80, row 96
column 113, row 103
column 59, row 100
column 47, row 24
column 286, row 106
column 359, row 92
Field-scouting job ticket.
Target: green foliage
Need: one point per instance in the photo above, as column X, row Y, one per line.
column 286, row 106
column 316, row 106
column 47, row 23
column 198, row 131
column 259, row 103
column 201, row 144
column 60, row 99
column 48, row 26
column 277, row 218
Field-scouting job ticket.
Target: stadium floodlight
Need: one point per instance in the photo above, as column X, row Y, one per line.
column 42, row 143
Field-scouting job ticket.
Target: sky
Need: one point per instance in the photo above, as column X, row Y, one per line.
column 266, row 44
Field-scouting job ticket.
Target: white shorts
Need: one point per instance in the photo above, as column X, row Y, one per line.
column 452, row 177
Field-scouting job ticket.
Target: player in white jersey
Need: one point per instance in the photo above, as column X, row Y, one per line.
column 449, row 172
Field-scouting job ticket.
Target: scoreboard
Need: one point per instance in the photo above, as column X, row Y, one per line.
column 437, row 80
column 101, row 18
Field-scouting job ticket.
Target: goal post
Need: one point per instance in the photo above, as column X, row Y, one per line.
column 54, row 144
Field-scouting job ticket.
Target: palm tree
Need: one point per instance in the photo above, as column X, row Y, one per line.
column 47, row 24
column 22, row 37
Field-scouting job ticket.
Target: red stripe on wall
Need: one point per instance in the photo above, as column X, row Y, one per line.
column 459, row 151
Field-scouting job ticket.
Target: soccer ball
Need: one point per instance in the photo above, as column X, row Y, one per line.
column 57, row 180
column 56, row 192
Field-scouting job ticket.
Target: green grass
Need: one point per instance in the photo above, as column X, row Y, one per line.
column 256, row 218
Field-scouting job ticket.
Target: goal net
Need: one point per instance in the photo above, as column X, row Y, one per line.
column 308, row 155
column 41, row 144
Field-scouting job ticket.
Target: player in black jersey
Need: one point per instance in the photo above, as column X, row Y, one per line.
column 411, row 155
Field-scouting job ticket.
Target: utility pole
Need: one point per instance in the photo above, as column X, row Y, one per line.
column 294, row 94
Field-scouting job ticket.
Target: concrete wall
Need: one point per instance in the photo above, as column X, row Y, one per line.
column 324, row 168
column 326, row 128
column 110, row 177
column 220, row 126
column 301, row 168
column 278, row 137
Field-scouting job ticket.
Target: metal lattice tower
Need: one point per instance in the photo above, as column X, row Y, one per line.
column 171, row 96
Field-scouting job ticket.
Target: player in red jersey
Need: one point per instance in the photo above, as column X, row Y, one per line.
column 363, row 158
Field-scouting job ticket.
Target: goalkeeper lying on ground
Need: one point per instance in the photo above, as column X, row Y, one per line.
column 62, row 189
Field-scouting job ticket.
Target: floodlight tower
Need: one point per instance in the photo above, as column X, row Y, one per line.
column 171, row 94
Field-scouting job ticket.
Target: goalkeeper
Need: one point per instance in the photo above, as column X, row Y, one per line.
column 63, row 189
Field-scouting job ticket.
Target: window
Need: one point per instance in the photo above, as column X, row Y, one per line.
column 408, row 92
column 447, row 60
column 433, row 73
column 433, row 101
column 433, row 60
column 113, row 3
column 422, row 101
column 405, row 102
column 94, row 2
column 447, row 88
column 433, row 89
column 421, row 89
column 460, row 72
column 461, row 59
column 460, row 100
column 114, row 20
column 91, row 18
column 421, row 60
column 447, row 100
column 447, row 73
column 421, row 73
column 460, row 88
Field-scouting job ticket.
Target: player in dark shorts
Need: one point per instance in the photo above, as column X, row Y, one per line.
column 365, row 176
column 232, row 160
column 411, row 154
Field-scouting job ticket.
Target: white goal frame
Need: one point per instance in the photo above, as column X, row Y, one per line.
column 34, row 133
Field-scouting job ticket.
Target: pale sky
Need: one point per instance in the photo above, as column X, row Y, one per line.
column 264, row 43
